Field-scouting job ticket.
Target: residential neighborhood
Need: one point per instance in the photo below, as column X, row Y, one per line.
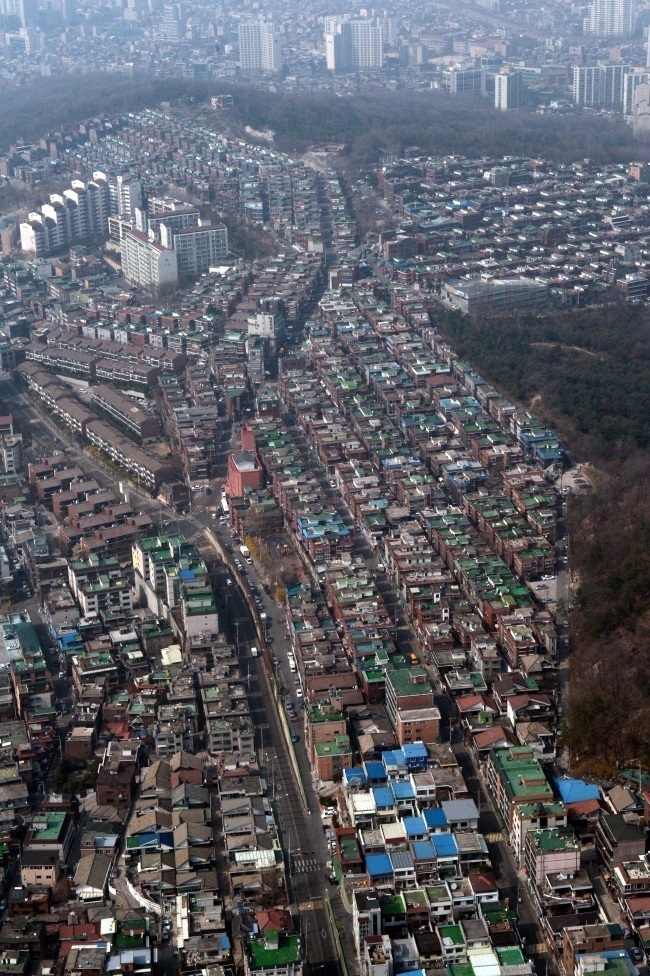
column 287, row 584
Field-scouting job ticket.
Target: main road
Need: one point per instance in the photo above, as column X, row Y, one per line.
column 299, row 816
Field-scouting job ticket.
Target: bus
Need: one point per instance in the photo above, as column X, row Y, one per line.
column 224, row 505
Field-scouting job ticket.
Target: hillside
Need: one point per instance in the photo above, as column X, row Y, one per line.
column 587, row 373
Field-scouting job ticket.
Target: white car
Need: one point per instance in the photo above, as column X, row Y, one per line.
column 298, row 692
column 228, row 581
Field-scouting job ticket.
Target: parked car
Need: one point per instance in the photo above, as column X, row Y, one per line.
column 294, row 737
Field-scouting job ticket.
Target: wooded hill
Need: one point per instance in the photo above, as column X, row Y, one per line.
column 587, row 374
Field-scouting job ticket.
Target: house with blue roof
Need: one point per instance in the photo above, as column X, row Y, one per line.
column 375, row 773
column 404, row 797
column 446, row 853
column 416, row 828
column 379, row 868
column 415, row 755
column 425, row 861
column 354, row 776
column 395, row 764
column 384, row 802
column 436, row 821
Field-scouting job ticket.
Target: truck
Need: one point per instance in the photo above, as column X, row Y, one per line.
column 254, row 651
column 245, row 551
column 224, row 505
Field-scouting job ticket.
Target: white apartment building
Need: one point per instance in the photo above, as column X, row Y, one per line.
column 353, row 45
column 80, row 212
column 610, row 18
column 367, row 41
column 508, row 91
column 126, row 195
column 197, row 248
column 260, row 47
column 148, row 264
column 602, row 86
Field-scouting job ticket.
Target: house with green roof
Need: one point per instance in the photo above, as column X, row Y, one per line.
column 273, row 954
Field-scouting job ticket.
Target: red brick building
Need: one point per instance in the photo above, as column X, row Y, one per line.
column 244, row 471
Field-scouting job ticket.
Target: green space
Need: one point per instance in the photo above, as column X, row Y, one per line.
column 586, row 374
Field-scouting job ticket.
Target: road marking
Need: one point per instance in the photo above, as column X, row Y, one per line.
column 495, row 838
column 311, row 906
column 305, row 865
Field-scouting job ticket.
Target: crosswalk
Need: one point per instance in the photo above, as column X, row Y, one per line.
column 305, row 865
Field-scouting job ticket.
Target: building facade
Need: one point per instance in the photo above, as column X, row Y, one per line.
column 148, row 264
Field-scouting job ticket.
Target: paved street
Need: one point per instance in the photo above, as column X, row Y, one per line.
column 301, row 830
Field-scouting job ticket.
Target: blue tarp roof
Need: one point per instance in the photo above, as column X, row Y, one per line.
column 576, row 790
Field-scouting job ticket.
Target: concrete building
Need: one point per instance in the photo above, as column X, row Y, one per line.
column 610, row 18
column 148, row 264
column 601, row 86
column 408, row 689
column 197, row 248
column 40, row 867
column 339, row 52
column 368, row 45
column 353, row 45
column 631, row 82
column 244, row 471
column 464, row 81
column 515, row 778
column 126, row 194
column 80, row 212
column 12, row 453
column 260, row 48
column 498, row 295
column 508, row 90
column 127, row 412
column 555, row 850
column 641, row 112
